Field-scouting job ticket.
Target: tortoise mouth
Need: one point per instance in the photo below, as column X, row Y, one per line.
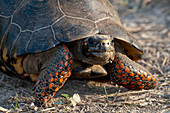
column 100, row 57
column 99, row 53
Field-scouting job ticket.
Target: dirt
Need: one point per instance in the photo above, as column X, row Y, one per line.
column 149, row 22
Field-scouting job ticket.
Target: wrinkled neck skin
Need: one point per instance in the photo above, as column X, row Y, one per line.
column 78, row 51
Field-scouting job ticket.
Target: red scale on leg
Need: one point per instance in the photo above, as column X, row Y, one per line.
column 141, row 75
column 124, row 75
column 127, row 70
column 129, row 79
column 122, row 66
column 66, row 63
column 61, row 62
column 66, row 57
column 117, row 66
column 131, row 74
column 124, row 83
column 61, row 80
column 50, row 80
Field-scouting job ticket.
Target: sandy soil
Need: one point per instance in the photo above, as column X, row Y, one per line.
column 149, row 22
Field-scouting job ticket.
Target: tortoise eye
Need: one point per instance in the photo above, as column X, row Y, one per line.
column 92, row 41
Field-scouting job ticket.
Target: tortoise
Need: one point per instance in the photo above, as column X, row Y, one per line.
column 44, row 41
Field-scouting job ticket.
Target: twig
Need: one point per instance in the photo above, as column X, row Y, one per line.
column 164, row 61
column 2, row 78
column 46, row 109
column 126, row 93
column 3, row 109
column 116, row 96
column 82, row 109
column 129, row 102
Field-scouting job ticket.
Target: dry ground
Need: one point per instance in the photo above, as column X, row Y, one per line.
column 149, row 22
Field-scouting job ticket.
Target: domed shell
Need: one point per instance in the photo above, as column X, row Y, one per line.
column 31, row 26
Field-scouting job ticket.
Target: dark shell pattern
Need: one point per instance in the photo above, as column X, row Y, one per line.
column 30, row 26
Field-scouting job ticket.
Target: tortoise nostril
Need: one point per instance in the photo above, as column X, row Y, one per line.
column 105, row 43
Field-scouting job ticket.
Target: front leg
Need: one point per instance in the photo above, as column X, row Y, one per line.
column 55, row 72
column 127, row 73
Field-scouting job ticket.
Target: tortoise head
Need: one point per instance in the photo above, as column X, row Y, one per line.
column 97, row 49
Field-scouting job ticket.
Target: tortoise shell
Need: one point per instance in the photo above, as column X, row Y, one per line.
column 31, row 26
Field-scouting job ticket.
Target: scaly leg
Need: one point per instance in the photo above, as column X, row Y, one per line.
column 129, row 74
column 55, row 72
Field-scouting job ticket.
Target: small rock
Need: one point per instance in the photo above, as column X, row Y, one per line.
column 32, row 106
column 143, row 104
